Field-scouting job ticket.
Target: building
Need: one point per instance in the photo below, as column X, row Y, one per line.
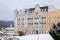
column 53, row 17
column 9, row 30
column 32, row 20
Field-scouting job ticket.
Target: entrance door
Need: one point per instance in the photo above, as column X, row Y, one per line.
column 21, row 33
column 36, row 31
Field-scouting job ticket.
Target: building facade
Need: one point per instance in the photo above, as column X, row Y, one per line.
column 53, row 17
column 32, row 21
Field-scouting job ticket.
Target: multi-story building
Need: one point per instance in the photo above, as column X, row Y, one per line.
column 53, row 17
column 32, row 20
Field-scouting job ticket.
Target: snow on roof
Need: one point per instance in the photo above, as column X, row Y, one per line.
column 35, row 37
column 45, row 37
column 11, row 28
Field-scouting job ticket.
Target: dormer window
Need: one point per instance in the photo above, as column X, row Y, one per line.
column 42, row 10
column 45, row 10
column 30, row 11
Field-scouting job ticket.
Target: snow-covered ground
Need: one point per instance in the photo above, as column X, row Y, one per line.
column 35, row 37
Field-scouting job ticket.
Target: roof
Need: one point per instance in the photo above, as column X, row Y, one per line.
column 9, row 28
column 53, row 13
column 42, row 8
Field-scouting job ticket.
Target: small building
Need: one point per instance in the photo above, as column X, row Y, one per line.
column 9, row 30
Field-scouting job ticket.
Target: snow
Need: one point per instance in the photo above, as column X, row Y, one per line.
column 1, row 32
column 35, row 37
column 11, row 28
column 45, row 37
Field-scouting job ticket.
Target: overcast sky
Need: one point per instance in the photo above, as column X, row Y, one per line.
column 7, row 7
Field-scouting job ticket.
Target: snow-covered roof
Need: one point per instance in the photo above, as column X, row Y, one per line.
column 35, row 37
column 11, row 28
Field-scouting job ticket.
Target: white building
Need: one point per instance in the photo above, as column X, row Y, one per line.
column 32, row 20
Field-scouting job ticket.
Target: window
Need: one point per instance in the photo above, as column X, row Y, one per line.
column 22, row 18
column 43, row 27
column 22, row 23
column 18, row 26
column 29, row 18
column 30, row 23
column 42, row 10
column 36, row 23
column 18, row 23
column 18, row 18
column 31, row 32
column 45, row 10
column 42, row 32
column 43, row 22
column 43, row 17
column 36, row 17
column 25, row 27
column 30, row 11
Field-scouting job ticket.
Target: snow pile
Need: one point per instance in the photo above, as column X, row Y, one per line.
column 45, row 37
column 35, row 37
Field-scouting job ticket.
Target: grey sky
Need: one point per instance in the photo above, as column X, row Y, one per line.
column 7, row 7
